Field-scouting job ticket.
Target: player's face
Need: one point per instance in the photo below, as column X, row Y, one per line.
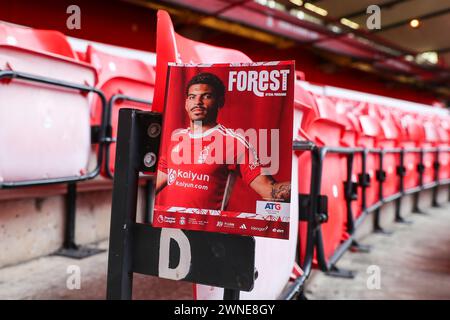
column 201, row 103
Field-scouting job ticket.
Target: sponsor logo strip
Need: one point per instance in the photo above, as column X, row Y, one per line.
column 227, row 224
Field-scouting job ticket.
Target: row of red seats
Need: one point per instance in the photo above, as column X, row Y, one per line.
column 338, row 122
column 60, row 120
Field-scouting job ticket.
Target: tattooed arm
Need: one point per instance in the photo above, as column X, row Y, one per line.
column 270, row 190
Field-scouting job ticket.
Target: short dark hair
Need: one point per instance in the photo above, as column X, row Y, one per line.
column 212, row 80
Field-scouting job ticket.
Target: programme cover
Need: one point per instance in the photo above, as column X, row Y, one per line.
column 225, row 158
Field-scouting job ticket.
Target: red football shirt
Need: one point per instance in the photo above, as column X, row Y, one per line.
column 198, row 164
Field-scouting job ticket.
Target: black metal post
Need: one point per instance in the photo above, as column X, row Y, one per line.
column 120, row 276
column 401, row 175
column 420, row 169
column 330, row 268
column 306, row 264
column 70, row 249
column 349, row 194
column 69, row 231
column 436, row 166
column 363, row 185
column 230, row 294
column 376, row 217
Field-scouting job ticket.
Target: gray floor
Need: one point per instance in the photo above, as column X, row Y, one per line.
column 414, row 263
column 47, row 277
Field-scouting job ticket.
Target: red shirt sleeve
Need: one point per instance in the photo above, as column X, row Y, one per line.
column 251, row 166
column 162, row 163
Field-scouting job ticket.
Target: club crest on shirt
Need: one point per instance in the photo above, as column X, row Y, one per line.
column 203, row 155
column 171, row 176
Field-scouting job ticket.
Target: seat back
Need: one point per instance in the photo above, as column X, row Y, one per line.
column 367, row 137
column 387, row 140
column 413, row 137
column 44, row 41
column 326, row 130
column 431, row 140
column 171, row 47
column 44, row 129
column 119, row 76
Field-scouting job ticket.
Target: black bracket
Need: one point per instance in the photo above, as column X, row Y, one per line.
column 364, row 180
column 340, row 273
column 358, row 247
column 436, row 165
column 322, row 208
column 352, row 192
column 420, row 168
column 150, row 128
column 96, row 136
column 401, row 171
column 381, row 175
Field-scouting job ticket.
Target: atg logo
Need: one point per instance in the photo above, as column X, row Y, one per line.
column 272, row 210
column 273, row 206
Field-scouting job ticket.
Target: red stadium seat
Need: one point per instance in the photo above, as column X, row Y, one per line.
column 119, row 75
column 48, row 42
column 326, row 131
column 368, row 132
column 171, row 47
column 44, row 129
column 304, row 104
column 349, row 139
column 444, row 142
column 431, row 140
column 388, row 140
column 412, row 137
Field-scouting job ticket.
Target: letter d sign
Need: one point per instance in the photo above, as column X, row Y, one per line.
column 183, row 267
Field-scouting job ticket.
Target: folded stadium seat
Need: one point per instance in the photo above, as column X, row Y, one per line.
column 50, row 124
column 444, row 142
column 368, row 132
column 349, row 140
column 411, row 137
column 337, row 112
column 305, row 107
column 124, row 76
column 274, row 259
column 388, row 139
column 431, row 140
column 326, row 131
column 44, row 41
column 81, row 56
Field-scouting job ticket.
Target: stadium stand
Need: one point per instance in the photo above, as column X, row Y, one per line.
column 372, row 153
